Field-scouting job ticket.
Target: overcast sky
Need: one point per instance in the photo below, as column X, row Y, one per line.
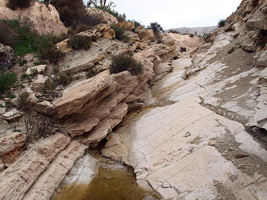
column 177, row 13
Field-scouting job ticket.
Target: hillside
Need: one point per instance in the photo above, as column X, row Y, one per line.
column 113, row 110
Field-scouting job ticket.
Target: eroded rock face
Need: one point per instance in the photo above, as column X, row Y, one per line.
column 18, row 178
column 11, row 146
column 44, row 187
column 75, row 97
column 105, row 16
column 169, row 149
column 44, row 20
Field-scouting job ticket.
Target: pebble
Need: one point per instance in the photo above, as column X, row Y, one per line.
column 212, row 142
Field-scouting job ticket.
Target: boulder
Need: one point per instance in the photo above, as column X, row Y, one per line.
column 98, row 104
column 144, row 34
column 261, row 59
column 19, row 177
column 12, row 115
column 63, row 46
column 45, row 186
column 129, row 26
column 75, row 97
column 39, row 84
column 2, row 111
column 11, row 146
column 44, row 20
column 44, row 107
column 105, row 16
column 39, row 68
column 249, row 45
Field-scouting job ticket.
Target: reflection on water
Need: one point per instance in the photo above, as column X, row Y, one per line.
column 111, row 183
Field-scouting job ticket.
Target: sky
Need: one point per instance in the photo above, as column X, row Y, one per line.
column 177, row 13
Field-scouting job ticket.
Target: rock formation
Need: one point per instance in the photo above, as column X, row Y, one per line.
column 44, row 20
column 199, row 101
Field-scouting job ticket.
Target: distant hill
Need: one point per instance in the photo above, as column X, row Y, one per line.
column 199, row 30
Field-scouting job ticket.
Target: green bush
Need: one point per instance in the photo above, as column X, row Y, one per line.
column 221, row 23
column 14, row 4
column 22, row 101
column 78, row 42
column 125, row 62
column 206, row 37
column 6, row 81
column 46, row 49
column 119, row 31
column 50, row 85
column 64, row 78
column 25, row 41
column 24, row 76
column 71, row 12
column 157, row 29
column 91, row 73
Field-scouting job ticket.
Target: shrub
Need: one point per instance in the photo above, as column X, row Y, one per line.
column 81, row 27
column 52, row 55
column 46, row 49
column 25, row 41
column 34, row 72
column 91, row 73
column 9, row 36
column 14, row 4
column 22, row 62
column 78, row 42
column 23, row 76
column 157, row 29
column 71, row 12
column 206, row 37
column 6, row 81
column 125, row 62
column 119, row 31
column 12, row 96
column 191, row 35
column 50, row 85
column 92, row 20
column 64, row 78
column 221, row 23
column 22, row 101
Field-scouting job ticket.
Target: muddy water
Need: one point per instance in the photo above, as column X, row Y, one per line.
column 112, row 182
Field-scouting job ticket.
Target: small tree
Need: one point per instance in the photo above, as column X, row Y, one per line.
column 221, row 23
column 157, row 29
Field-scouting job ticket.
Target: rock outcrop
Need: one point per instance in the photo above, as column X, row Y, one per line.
column 11, row 147
column 103, row 15
column 44, row 20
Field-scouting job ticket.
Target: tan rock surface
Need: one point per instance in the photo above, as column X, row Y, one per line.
column 11, row 146
column 12, row 115
column 108, row 18
column 18, row 178
column 178, row 166
column 44, row 187
column 39, row 83
column 75, row 97
column 39, row 68
column 44, row 20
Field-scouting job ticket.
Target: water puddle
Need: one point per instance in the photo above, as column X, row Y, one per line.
column 112, row 182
